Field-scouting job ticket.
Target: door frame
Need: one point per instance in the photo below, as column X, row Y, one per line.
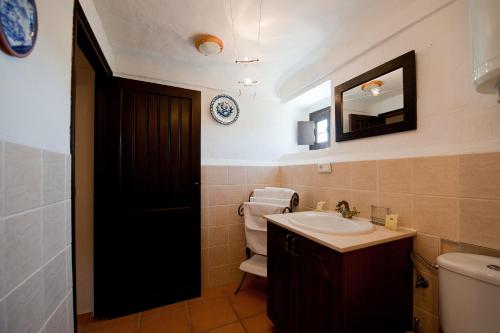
column 83, row 37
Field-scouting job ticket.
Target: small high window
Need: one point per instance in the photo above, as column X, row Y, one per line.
column 321, row 119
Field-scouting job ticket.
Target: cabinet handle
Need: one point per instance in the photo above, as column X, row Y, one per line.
column 288, row 243
column 295, row 242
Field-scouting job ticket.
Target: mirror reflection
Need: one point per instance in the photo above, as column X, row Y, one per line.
column 374, row 103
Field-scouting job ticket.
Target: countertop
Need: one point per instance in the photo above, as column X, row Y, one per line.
column 343, row 243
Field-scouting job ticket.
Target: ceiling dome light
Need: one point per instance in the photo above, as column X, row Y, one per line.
column 209, row 45
column 373, row 87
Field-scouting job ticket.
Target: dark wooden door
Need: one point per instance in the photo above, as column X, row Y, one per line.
column 147, row 215
column 283, row 280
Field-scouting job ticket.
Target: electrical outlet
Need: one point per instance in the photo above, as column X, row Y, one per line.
column 324, row 168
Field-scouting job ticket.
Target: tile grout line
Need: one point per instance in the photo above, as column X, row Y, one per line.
column 45, row 264
column 188, row 312
column 238, row 320
column 228, row 298
column 33, row 274
column 223, row 325
column 139, row 322
column 34, row 209
column 2, row 180
column 459, row 192
column 55, row 310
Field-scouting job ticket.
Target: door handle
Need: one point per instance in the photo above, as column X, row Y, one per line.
column 288, row 243
column 295, row 242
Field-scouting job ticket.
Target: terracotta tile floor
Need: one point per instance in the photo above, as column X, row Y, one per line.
column 218, row 310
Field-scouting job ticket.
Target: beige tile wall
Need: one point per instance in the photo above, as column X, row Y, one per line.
column 452, row 201
column 35, row 240
column 222, row 232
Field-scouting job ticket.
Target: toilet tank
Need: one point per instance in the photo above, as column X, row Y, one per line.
column 469, row 293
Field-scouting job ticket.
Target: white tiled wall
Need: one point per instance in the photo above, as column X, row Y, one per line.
column 35, row 241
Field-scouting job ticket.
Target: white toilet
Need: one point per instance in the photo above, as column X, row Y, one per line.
column 469, row 293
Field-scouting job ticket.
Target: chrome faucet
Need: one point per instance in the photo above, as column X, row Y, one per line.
column 343, row 208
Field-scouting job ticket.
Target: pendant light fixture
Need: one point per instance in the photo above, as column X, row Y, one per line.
column 247, row 61
column 248, row 81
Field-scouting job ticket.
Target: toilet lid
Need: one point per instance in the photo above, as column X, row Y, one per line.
column 483, row 268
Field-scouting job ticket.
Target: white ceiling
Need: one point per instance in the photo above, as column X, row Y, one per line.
column 312, row 96
column 392, row 85
column 158, row 35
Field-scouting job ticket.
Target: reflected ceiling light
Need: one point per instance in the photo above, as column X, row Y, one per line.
column 209, row 45
column 247, row 82
column 372, row 86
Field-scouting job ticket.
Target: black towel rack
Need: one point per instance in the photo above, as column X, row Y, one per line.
column 294, row 202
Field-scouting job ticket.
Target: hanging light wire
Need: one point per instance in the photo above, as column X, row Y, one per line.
column 234, row 31
column 258, row 42
column 246, row 60
column 260, row 21
column 247, row 82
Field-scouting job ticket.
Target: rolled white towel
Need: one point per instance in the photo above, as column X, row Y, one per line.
column 276, row 201
column 254, row 212
column 274, row 192
column 259, row 192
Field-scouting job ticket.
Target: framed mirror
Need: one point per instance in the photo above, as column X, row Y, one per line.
column 380, row 101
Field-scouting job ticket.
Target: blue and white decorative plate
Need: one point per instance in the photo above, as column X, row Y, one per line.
column 224, row 109
column 18, row 26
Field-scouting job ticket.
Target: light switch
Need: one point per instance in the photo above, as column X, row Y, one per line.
column 324, row 168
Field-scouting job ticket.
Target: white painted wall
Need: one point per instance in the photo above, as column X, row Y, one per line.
column 35, row 107
column 36, row 91
column 259, row 137
column 323, row 63
column 387, row 104
column 264, row 131
column 451, row 117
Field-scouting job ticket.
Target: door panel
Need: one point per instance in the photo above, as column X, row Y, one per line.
column 147, row 218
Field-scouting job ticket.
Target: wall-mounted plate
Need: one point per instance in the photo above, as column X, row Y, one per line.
column 224, row 109
column 18, row 26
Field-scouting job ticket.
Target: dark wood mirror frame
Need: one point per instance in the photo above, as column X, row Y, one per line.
column 407, row 63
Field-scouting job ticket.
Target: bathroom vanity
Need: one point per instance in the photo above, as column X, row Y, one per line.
column 320, row 282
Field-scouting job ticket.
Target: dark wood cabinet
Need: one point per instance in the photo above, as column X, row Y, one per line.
column 281, row 266
column 312, row 288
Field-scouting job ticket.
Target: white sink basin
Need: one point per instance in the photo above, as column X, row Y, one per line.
column 331, row 223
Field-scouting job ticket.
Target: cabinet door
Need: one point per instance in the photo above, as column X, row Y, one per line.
column 282, row 276
column 377, row 288
column 320, row 288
